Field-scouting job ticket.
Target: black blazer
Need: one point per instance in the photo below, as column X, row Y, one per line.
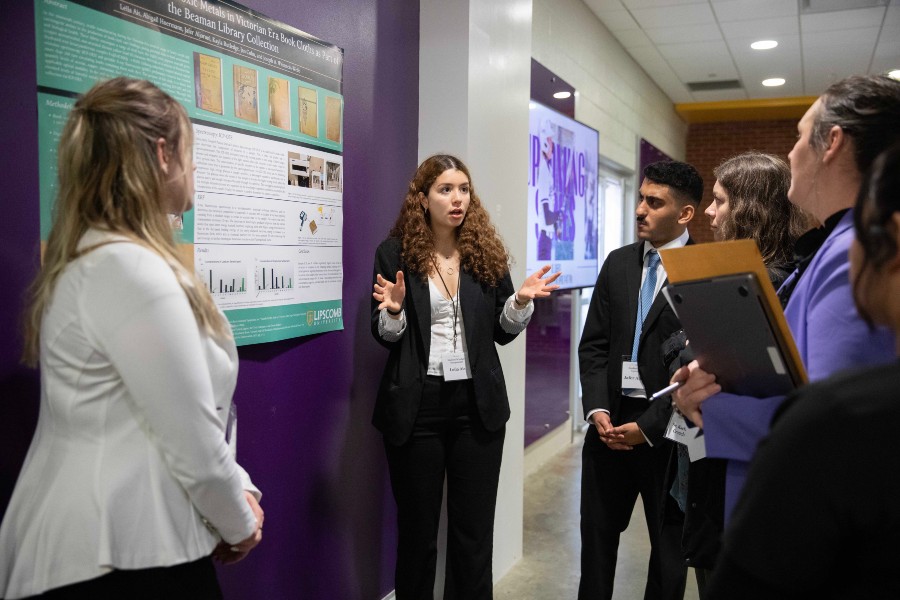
column 608, row 336
column 404, row 375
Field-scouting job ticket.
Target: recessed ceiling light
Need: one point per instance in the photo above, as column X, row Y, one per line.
column 895, row 73
column 764, row 45
column 562, row 95
column 774, row 82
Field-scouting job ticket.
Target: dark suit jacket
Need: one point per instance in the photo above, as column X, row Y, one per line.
column 608, row 336
column 404, row 375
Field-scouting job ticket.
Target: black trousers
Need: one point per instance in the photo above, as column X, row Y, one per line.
column 189, row 581
column 610, row 483
column 448, row 439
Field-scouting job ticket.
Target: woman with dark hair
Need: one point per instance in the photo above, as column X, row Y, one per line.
column 129, row 484
column 750, row 201
column 839, row 137
column 442, row 404
column 820, row 518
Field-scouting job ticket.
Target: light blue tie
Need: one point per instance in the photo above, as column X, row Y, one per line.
column 645, row 300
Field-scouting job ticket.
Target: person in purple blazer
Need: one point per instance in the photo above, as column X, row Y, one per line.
column 831, row 508
column 838, row 139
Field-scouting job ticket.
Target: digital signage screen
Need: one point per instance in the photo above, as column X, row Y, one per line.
column 562, row 197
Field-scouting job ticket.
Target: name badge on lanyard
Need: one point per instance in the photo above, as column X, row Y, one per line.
column 454, row 362
column 455, row 366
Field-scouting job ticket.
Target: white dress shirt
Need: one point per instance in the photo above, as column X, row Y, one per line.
column 678, row 242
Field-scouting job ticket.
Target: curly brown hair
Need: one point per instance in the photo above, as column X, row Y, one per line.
column 758, row 206
column 482, row 252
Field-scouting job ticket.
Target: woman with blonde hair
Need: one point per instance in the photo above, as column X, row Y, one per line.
column 129, row 484
column 442, row 299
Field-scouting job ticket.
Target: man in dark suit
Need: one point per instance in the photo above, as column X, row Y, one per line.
column 621, row 363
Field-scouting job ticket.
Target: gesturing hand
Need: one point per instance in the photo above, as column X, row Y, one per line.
column 536, row 287
column 698, row 386
column 390, row 295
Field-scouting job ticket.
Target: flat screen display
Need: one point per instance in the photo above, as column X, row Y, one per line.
column 562, row 203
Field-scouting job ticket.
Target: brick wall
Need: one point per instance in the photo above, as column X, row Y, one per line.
column 708, row 144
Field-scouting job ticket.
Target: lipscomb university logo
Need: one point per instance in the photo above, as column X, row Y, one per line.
column 323, row 316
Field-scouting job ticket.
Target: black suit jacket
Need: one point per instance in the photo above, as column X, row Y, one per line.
column 404, row 375
column 608, row 336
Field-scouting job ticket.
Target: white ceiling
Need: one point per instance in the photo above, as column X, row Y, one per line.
column 686, row 41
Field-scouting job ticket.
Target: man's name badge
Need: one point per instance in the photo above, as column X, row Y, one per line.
column 455, row 366
column 631, row 378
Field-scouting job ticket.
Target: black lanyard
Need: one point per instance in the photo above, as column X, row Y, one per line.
column 453, row 301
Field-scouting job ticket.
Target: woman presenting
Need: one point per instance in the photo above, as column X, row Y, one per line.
column 442, row 299
column 129, row 485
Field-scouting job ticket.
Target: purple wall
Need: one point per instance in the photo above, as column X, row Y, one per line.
column 304, row 405
column 545, row 83
column 547, row 353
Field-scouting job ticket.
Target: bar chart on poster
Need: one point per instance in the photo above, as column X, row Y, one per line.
column 266, row 103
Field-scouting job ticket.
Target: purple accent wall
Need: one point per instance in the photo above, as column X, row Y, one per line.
column 304, row 405
column 547, row 366
column 545, row 83
column 649, row 154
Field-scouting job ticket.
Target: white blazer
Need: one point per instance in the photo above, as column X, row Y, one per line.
column 129, row 467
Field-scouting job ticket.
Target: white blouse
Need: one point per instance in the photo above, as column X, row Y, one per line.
column 129, row 467
column 512, row 320
column 442, row 330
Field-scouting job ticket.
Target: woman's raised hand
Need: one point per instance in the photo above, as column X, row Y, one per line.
column 390, row 295
column 536, row 287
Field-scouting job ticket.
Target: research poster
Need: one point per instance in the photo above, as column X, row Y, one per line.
column 266, row 231
column 562, row 197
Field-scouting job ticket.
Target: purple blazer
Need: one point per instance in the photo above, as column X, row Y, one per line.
column 830, row 337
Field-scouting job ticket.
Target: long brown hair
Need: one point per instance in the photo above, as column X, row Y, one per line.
column 482, row 252
column 110, row 179
column 758, row 206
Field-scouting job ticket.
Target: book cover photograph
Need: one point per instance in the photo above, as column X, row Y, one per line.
column 279, row 103
column 298, row 169
column 333, row 119
column 246, row 94
column 333, row 181
column 208, row 82
column 316, row 172
column 309, row 113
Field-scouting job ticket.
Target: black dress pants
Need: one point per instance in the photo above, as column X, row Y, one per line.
column 448, row 439
column 610, row 483
column 195, row 580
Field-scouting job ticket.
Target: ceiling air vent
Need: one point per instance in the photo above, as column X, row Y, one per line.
column 711, row 86
column 808, row 7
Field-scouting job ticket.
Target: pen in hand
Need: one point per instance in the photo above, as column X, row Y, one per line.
column 666, row 390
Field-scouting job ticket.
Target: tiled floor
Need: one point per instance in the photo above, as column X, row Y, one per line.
column 549, row 569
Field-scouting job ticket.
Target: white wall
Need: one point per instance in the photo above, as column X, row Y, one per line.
column 474, row 87
column 615, row 96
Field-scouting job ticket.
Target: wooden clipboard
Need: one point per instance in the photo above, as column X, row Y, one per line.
column 699, row 263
